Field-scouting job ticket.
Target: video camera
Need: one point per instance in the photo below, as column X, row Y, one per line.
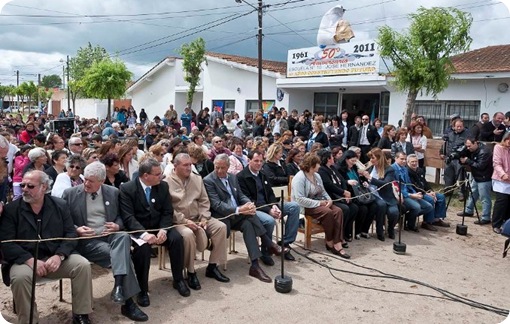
column 457, row 153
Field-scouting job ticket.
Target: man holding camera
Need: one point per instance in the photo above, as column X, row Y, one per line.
column 479, row 158
column 454, row 140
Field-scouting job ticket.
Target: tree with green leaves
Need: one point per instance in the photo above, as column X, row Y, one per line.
column 4, row 91
column 78, row 66
column 106, row 79
column 193, row 55
column 51, row 81
column 421, row 57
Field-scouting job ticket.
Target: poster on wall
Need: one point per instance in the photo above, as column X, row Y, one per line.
column 219, row 106
column 360, row 57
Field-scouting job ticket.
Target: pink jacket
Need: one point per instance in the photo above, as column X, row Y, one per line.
column 501, row 160
column 19, row 164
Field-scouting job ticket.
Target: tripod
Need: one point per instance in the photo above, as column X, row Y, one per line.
column 466, row 192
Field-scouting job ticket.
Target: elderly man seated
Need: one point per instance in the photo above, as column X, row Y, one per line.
column 56, row 259
column 191, row 212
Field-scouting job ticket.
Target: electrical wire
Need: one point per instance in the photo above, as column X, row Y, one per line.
column 447, row 295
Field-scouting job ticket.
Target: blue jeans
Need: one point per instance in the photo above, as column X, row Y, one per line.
column 439, row 207
column 482, row 191
column 416, row 207
column 291, row 209
column 268, row 222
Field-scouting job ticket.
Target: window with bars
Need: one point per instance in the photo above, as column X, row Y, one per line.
column 437, row 113
column 325, row 103
column 384, row 109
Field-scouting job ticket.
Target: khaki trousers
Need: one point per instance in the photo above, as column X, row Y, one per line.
column 75, row 267
column 197, row 241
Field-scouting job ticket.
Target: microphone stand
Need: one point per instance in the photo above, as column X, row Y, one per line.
column 34, row 272
column 399, row 247
column 282, row 283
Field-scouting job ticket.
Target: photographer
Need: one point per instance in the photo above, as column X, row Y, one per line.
column 479, row 158
column 454, row 141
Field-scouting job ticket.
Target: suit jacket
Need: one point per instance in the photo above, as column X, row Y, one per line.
column 397, row 147
column 76, row 198
column 189, row 201
column 276, row 175
column 373, row 136
column 248, row 186
column 329, row 179
column 386, row 192
column 138, row 214
column 219, row 197
column 486, row 133
column 18, row 221
column 353, row 136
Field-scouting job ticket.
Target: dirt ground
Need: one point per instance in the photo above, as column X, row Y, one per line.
column 469, row 266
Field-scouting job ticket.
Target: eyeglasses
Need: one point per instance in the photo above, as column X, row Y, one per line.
column 95, row 157
column 77, row 167
column 166, row 144
column 77, row 144
column 29, row 186
column 364, row 119
column 218, row 142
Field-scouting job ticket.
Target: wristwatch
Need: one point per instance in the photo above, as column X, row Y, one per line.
column 62, row 257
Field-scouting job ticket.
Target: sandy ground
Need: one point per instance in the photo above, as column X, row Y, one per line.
column 471, row 267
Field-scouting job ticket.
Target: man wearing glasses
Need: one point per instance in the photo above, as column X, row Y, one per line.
column 75, row 145
column 218, row 148
column 146, row 206
column 368, row 138
column 56, row 259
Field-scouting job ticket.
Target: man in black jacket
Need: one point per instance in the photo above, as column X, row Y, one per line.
column 368, row 138
column 480, row 161
column 255, row 185
column 494, row 130
column 146, row 206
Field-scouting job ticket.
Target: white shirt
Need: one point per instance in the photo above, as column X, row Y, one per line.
column 363, row 140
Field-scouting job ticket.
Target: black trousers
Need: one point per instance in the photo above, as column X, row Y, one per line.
column 364, row 150
column 350, row 215
column 142, row 258
column 500, row 211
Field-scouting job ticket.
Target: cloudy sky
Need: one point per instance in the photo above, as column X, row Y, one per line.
column 35, row 36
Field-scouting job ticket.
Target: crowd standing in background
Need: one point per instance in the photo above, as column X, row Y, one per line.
column 210, row 173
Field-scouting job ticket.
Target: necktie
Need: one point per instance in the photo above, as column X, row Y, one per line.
column 93, row 195
column 232, row 199
column 148, row 194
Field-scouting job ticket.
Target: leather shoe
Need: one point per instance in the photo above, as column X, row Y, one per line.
column 381, row 237
column 267, row 260
column 181, row 288
column 428, row 227
column 216, row 274
column 143, row 299
column 193, row 282
column 465, row 214
column 134, row 313
column 277, row 250
column 117, row 295
column 257, row 272
column 391, row 235
column 482, row 222
column 81, row 319
column 289, row 257
column 441, row 223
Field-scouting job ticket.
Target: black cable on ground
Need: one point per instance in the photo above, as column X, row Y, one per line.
column 447, row 295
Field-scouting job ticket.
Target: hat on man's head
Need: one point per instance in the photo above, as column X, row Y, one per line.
column 454, row 116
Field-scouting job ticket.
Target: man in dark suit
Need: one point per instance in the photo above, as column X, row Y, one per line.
column 477, row 128
column 56, row 258
column 94, row 208
column 146, row 206
column 353, row 133
column 230, row 205
column 255, row 185
column 494, row 130
column 368, row 138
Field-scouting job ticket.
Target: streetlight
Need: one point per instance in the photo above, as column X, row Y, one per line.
column 63, row 74
column 259, row 38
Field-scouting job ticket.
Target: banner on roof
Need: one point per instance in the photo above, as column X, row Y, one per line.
column 361, row 57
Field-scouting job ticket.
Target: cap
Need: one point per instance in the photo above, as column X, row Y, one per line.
column 454, row 116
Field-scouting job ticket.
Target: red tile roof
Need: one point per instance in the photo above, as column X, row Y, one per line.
column 273, row 66
column 484, row 60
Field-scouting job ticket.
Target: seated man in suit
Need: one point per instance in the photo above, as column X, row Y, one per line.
column 94, row 208
column 146, row 205
column 254, row 184
column 413, row 200
column 236, row 210
column 191, row 211
column 56, row 258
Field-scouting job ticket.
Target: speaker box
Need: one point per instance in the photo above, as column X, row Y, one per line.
column 63, row 127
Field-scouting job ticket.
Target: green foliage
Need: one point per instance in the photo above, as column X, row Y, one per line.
column 51, row 81
column 193, row 55
column 421, row 57
column 106, row 79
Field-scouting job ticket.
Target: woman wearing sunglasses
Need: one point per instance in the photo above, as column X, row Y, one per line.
column 72, row 177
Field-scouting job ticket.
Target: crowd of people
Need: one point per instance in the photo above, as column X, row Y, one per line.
column 185, row 182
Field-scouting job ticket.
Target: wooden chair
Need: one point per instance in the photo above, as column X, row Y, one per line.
column 312, row 226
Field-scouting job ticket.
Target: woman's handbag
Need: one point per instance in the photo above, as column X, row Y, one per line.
column 363, row 194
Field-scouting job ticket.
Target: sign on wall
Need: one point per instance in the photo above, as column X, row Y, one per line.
column 359, row 57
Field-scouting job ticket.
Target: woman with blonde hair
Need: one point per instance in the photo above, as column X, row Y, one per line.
column 274, row 168
column 90, row 155
column 317, row 136
column 127, row 163
column 308, row 191
column 287, row 135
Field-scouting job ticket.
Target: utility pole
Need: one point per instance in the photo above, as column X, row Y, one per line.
column 259, row 37
column 17, row 85
column 68, row 90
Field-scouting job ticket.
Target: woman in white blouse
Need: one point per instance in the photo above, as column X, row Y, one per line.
column 419, row 142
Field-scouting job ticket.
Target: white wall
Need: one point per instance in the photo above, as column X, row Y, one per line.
column 300, row 99
column 485, row 91
column 221, row 82
column 88, row 108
